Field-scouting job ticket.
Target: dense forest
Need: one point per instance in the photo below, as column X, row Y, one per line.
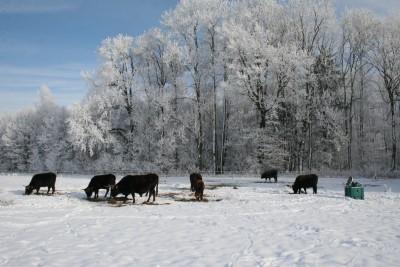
column 227, row 86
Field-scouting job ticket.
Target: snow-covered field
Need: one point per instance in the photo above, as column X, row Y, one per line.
column 257, row 224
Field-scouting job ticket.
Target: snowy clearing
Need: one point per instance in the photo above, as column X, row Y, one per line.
column 257, row 224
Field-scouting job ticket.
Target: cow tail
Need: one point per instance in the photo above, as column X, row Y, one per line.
column 157, row 189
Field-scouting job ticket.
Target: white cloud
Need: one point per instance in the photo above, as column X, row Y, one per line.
column 34, row 6
column 65, row 71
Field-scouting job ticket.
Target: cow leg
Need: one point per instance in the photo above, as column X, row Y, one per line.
column 37, row 190
column 314, row 189
column 305, row 190
column 107, row 189
column 149, row 195
column 154, row 195
column 53, row 189
column 133, row 196
column 48, row 189
column 276, row 179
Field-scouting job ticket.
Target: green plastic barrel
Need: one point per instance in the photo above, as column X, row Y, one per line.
column 356, row 192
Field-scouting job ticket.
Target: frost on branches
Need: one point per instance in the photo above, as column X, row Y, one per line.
column 227, row 86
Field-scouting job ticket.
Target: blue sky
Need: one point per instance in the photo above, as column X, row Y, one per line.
column 52, row 41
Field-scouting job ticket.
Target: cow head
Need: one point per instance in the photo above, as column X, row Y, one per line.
column 28, row 189
column 88, row 191
column 295, row 189
column 114, row 190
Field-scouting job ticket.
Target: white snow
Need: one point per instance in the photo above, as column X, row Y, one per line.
column 258, row 224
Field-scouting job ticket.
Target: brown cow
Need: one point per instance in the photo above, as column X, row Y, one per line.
column 193, row 178
column 199, row 189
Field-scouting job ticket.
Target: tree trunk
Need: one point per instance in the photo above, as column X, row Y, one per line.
column 199, row 138
column 214, row 105
column 225, row 118
column 263, row 123
column 309, row 121
column 350, row 120
column 175, row 109
column 263, row 119
column 200, row 144
column 350, row 136
column 130, row 145
column 394, row 145
column 197, row 89
column 361, row 118
column 309, row 145
column 224, row 135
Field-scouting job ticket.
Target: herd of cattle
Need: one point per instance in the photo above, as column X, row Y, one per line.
column 148, row 184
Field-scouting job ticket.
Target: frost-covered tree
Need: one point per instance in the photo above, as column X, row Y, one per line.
column 251, row 51
column 35, row 138
column 51, row 130
column 386, row 60
column 357, row 31
column 17, row 140
column 312, row 27
column 106, row 120
column 185, row 22
column 160, row 67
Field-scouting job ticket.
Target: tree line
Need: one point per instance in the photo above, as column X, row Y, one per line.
column 228, row 85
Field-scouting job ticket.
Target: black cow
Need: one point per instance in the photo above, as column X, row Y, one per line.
column 193, row 178
column 305, row 181
column 140, row 184
column 199, row 189
column 41, row 180
column 99, row 182
column 273, row 173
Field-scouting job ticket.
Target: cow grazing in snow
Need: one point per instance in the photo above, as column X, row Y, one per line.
column 99, row 182
column 131, row 184
column 193, row 178
column 273, row 173
column 198, row 189
column 47, row 179
column 305, row 181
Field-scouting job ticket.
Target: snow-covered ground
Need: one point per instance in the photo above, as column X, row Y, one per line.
column 257, row 224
